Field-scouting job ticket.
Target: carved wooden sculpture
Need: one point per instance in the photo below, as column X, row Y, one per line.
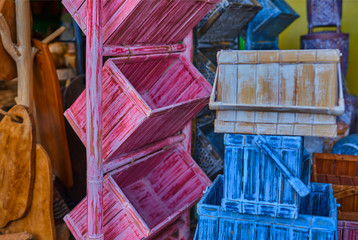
column 22, row 52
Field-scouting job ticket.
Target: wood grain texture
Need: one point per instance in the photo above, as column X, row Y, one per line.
column 288, row 92
column 313, row 223
column 49, row 113
column 341, row 171
column 8, row 66
column 17, row 165
column 16, row 236
column 144, row 22
column 144, row 197
column 93, row 116
column 156, row 96
column 347, row 230
column 39, row 221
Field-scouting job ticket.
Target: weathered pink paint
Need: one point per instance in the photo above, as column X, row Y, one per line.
column 145, row 99
column 113, row 51
column 188, row 54
column 347, row 230
column 144, row 22
column 94, row 121
column 146, row 196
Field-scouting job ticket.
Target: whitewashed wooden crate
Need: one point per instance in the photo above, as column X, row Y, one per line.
column 281, row 92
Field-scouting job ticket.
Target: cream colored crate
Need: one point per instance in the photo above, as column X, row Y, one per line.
column 281, row 92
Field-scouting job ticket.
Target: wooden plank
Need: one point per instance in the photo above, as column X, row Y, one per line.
column 267, row 90
column 49, row 113
column 94, row 64
column 246, row 90
column 305, row 91
column 17, row 165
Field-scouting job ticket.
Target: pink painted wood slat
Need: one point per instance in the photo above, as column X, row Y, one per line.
column 133, row 22
column 145, row 99
column 146, row 196
column 93, row 111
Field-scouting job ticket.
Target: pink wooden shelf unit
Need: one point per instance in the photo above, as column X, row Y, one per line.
column 150, row 91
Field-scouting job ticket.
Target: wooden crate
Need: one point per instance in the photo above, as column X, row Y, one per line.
column 341, row 171
column 257, row 181
column 218, row 25
column 283, row 92
column 275, row 16
column 145, row 196
column 144, row 22
column 145, row 99
column 347, row 230
column 317, row 219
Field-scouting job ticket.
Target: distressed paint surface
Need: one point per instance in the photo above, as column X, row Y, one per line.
column 341, row 171
column 145, row 99
column 253, row 184
column 142, row 198
column 293, row 92
column 144, row 22
column 217, row 25
column 93, row 110
column 347, row 230
column 313, row 223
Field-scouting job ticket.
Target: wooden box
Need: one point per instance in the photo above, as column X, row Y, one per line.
column 275, row 16
column 144, row 22
column 145, row 99
column 256, row 180
column 317, row 219
column 347, row 230
column 145, row 196
column 341, row 172
column 218, row 25
column 282, row 92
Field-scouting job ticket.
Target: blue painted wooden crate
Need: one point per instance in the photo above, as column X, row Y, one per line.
column 263, row 175
column 317, row 219
column 275, row 16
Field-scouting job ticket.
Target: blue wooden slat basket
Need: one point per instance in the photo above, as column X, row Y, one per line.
column 261, row 182
column 317, row 219
column 275, row 16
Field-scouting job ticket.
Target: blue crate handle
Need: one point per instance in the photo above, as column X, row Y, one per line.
column 295, row 182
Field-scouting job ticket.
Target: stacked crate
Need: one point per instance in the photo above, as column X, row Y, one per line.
column 340, row 171
column 263, row 30
column 265, row 101
column 150, row 92
column 219, row 29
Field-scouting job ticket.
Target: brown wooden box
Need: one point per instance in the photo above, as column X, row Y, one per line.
column 342, row 172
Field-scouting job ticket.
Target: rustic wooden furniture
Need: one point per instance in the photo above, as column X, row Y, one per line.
column 341, row 171
column 294, row 92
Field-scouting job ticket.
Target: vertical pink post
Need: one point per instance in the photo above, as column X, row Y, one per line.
column 94, row 119
column 188, row 53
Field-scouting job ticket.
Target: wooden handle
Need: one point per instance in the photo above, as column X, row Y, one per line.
column 294, row 181
column 54, row 35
